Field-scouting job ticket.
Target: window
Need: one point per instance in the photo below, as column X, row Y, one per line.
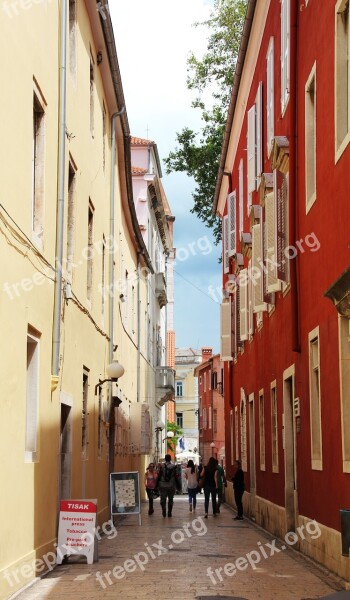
column 236, row 434
column 72, row 39
column 204, row 418
column 225, row 331
column 270, row 97
column 225, row 242
column 251, row 154
column 92, row 100
column 243, row 304
column 310, row 139
column 285, row 53
column 258, row 133
column 243, row 431
column 38, row 173
column 205, row 381
column 179, row 388
column 215, row 420
column 272, row 283
column 84, row 415
column 210, row 417
column 281, row 208
column 250, row 301
column 215, row 380
column 100, row 426
column 32, row 398
column 90, row 251
column 103, row 281
column 344, row 345
column 180, row 419
column 71, row 221
column 209, row 378
column 342, row 76
column 315, row 399
column 232, row 242
column 262, row 430
column 274, row 428
column 257, row 266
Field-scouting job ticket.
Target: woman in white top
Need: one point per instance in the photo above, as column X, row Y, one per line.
column 192, row 483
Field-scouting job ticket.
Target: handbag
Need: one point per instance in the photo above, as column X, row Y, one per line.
column 155, row 493
column 200, row 484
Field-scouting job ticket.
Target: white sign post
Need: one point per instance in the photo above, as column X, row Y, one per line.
column 76, row 531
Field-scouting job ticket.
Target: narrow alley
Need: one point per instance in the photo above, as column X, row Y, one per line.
column 188, row 557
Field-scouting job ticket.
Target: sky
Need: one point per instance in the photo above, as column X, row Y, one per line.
column 153, row 40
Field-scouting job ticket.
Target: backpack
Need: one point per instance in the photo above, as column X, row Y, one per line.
column 168, row 472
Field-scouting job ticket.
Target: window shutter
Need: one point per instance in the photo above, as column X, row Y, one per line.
column 240, row 196
column 257, row 261
column 232, row 223
column 225, row 226
column 270, row 97
column 251, row 167
column 285, row 44
column 269, row 298
column 243, row 309
column 234, row 324
column 238, row 310
column 259, row 148
column 272, row 283
column 250, row 301
column 225, row 333
column 281, row 192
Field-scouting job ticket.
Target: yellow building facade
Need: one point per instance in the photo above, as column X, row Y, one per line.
column 74, row 279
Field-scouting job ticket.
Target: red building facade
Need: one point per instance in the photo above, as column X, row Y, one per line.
column 211, row 407
column 282, row 194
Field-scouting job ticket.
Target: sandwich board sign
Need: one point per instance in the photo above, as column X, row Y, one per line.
column 76, row 530
column 125, row 493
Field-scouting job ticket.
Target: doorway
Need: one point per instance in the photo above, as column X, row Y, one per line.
column 291, row 499
column 252, row 460
column 65, row 450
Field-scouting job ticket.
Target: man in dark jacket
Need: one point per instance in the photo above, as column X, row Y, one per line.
column 238, row 484
column 167, row 482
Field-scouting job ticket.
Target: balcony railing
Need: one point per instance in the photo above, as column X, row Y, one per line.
column 165, row 378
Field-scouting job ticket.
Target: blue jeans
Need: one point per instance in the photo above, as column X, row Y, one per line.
column 192, row 496
column 207, row 492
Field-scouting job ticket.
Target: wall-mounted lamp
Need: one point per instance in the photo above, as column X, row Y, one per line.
column 113, row 371
column 212, row 445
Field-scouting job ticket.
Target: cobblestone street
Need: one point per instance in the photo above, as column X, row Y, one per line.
column 187, row 557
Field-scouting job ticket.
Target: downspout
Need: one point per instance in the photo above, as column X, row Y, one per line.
column 111, row 289
column 111, row 233
column 56, row 326
column 138, row 328
column 293, row 183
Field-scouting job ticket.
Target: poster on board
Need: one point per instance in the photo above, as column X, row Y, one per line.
column 125, row 493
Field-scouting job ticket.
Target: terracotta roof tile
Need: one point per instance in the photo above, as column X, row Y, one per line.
column 136, row 141
column 138, row 171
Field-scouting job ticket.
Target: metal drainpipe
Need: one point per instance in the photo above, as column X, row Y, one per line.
column 56, row 326
column 138, row 328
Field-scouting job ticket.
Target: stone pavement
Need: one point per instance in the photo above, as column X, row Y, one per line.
column 187, row 557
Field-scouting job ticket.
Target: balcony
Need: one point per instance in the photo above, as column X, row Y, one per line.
column 161, row 289
column 165, row 384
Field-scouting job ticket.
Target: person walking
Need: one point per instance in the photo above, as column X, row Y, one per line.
column 239, row 487
column 151, row 477
column 192, row 483
column 209, row 473
column 168, row 483
column 221, row 483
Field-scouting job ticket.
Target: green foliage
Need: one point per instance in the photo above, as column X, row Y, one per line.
column 178, row 432
column 198, row 155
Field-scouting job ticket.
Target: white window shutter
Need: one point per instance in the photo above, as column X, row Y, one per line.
column 250, row 301
column 240, row 196
column 251, row 167
column 243, row 309
column 231, row 200
column 225, row 331
column 270, row 97
column 272, row 283
column 225, row 231
column 285, row 52
column 257, row 275
column 259, row 149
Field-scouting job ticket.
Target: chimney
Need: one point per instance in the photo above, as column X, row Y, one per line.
column 206, row 353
